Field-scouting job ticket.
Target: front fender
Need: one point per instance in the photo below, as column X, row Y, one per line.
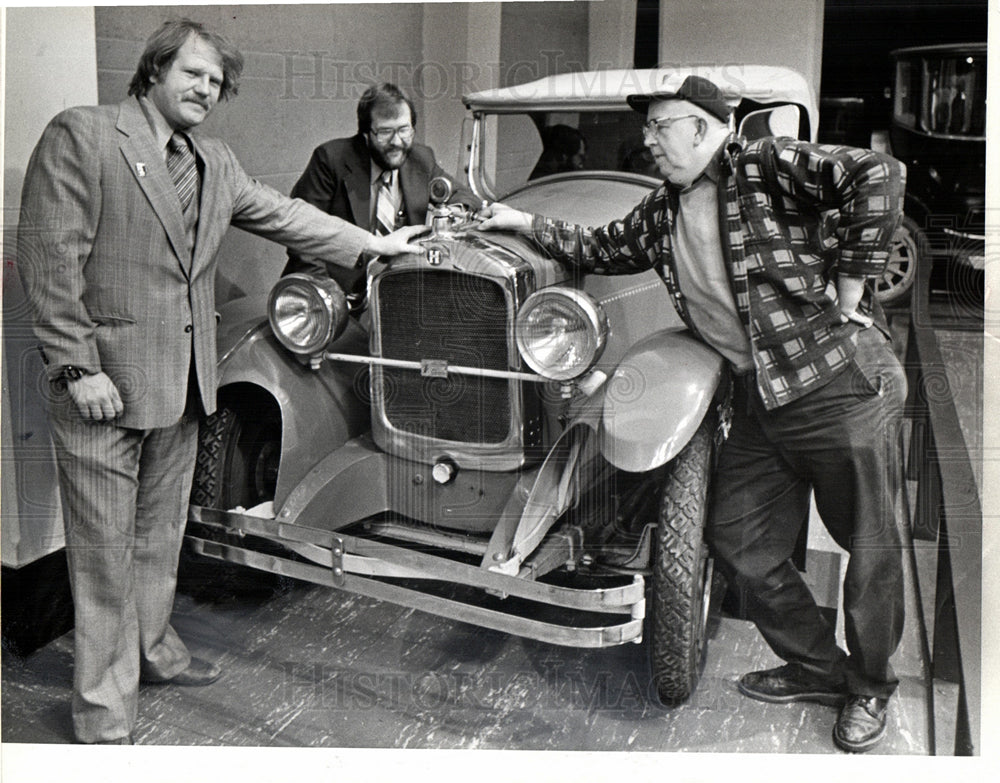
column 656, row 398
column 320, row 409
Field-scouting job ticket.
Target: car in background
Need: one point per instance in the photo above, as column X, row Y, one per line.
column 497, row 439
column 938, row 130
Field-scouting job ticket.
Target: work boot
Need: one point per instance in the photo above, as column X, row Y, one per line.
column 861, row 724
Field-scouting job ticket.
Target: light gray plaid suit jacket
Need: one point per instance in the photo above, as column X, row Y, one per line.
column 102, row 252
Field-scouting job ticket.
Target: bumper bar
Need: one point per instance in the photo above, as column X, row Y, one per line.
column 350, row 563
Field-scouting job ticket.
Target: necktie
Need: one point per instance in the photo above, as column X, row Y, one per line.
column 181, row 165
column 385, row 207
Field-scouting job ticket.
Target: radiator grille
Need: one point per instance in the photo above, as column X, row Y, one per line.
column 458, row 318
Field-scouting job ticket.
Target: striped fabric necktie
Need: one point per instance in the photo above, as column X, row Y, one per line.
column 385, row 207
column 181, row 165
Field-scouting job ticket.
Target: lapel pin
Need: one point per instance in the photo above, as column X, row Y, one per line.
column 140, row 169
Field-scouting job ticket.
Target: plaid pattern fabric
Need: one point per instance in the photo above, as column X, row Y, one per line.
column 795, row 214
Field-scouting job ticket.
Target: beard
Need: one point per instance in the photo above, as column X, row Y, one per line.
column 391, row 158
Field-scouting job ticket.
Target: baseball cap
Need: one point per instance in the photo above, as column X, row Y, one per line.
column 695, row 89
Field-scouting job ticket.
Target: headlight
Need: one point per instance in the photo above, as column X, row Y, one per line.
column 306, row 313
column 561, row 332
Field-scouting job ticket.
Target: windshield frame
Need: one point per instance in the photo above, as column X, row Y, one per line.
column 913, row 72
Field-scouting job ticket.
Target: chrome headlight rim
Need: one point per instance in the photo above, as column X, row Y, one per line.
column 589, row 314
column 320, row 301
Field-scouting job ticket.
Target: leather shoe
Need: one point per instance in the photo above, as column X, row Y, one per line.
column 861, row 724
column 789, row 683
column 199, row 672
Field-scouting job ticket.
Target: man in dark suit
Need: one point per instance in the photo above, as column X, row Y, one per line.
column 122, row 213
column 351, row 177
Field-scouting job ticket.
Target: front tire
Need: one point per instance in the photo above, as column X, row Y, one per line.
column 237, row 465
column 682, row 571
column 238, row 458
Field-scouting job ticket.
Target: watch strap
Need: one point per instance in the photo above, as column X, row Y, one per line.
column 71, row 372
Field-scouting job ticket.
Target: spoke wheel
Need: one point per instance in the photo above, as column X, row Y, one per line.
column 909, row 248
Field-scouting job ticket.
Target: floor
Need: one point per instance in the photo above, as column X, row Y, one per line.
column 312, row 667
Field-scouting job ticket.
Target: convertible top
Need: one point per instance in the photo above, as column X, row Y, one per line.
column 590, row 90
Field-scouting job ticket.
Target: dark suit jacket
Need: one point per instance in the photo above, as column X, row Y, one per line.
column 107, row 271
column 338, row 181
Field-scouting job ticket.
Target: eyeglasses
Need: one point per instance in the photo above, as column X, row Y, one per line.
column 383, row 135
column 654, row 126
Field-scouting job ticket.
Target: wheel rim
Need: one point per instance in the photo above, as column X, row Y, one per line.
column 264, row 471
column 901, row 267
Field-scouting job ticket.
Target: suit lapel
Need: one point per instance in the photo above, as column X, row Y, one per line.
column 414, row 182
column 208, row 206
column 149, row 169
column 358, row 183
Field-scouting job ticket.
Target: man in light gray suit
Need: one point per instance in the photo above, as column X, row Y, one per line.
column 122, row 214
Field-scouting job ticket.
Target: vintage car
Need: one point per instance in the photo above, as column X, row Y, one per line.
column 495, row 439
column 938, row 130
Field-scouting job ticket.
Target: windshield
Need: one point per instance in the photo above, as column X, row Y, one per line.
column 942, row 94
column 531, row 146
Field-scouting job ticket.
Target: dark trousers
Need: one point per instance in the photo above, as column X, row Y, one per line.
column 840, row 441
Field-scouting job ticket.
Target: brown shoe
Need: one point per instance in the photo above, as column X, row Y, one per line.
column 790, row 683
column 861, row 724
column 199, row 672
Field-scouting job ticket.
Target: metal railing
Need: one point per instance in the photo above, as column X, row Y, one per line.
column 947, row 511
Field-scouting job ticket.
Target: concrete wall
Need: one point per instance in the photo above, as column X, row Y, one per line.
column 611, row 34
column 49, row 66
column 461, row 44
column 766, row 32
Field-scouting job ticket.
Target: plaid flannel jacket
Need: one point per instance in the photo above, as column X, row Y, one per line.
column 792, row 215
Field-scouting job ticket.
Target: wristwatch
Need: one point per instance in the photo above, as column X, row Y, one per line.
column 71, row 373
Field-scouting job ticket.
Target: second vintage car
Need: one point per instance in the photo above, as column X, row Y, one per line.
column 496, row 440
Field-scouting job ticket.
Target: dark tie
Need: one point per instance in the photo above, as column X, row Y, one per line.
column 385, row 207
column 181, row 165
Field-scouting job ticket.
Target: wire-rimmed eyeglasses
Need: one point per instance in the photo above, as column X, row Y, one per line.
column 653, row 126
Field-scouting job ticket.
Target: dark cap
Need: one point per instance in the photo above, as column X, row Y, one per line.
column 695, row 89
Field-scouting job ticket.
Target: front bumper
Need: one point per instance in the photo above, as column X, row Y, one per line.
column 362, row 566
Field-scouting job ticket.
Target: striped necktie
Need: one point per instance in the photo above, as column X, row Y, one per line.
column 385, row 207
column 181, row 165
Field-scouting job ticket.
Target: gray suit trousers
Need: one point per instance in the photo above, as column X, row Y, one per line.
column 125, row 496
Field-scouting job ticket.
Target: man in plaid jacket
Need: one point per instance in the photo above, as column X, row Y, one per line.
column 766, row 249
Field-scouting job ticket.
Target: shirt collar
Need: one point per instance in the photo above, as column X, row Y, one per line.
column 157, row 123
column 377, row 174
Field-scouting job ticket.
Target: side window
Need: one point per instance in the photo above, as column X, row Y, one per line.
column 774, row 121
